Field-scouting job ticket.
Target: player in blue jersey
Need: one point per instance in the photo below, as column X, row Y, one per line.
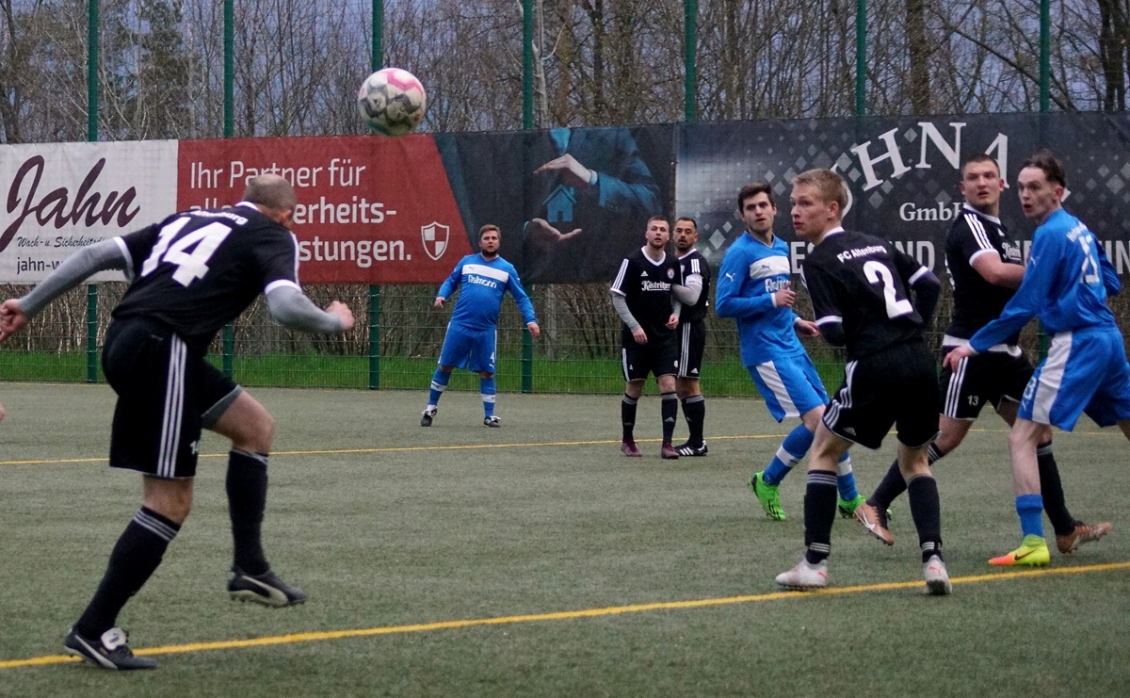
column 471, row 333
column 753, row 288
column 985, row 268
column 1067, row 280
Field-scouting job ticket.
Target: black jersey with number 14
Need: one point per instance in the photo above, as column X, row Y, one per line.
column 196, row 271
column 863, row 283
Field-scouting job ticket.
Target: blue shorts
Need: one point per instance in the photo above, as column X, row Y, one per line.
column 790, row 386
column 469, row 349
column 1085, row 372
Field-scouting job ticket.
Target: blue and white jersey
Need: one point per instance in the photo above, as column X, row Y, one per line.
column 484, row 282
column 750, row 274
column 1066, row 283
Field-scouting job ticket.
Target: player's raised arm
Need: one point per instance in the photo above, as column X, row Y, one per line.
column 107, row 254
column 294, row 310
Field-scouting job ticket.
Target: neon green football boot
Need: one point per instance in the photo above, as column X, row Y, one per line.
column 1033, row 552
column 768, row 495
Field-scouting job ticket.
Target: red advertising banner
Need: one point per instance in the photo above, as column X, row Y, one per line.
column 371, row 209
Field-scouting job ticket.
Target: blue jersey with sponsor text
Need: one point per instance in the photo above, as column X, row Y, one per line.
column 1066, row 283
column 750, row 274
column 483, row 283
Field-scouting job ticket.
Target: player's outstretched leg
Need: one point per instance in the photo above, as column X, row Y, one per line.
column 764, row 484
column 922, row 490
column 135, row 557
column 819, row 515
column 628, row 446
column 850, row 497
column 252, row 578
column 694, row 411
column 487, row 390
column 1033, row 550
column 1070, row 532
column 669, row 410
column 439, row 384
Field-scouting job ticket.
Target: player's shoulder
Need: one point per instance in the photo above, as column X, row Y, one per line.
column 970, row 222
column 1061, row 221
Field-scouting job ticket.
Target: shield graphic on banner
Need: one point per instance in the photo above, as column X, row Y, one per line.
column 434, row 235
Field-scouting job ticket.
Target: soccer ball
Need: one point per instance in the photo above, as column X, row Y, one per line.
column 392, row 101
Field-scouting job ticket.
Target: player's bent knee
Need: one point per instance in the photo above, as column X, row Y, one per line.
column 248, row 424
column 171, row 498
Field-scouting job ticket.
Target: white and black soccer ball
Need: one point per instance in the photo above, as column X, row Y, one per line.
column 392, row 101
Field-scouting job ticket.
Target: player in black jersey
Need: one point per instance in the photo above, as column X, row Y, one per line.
column 643, row 296
column 985, row 268
column 190, row 274
column 860, row 295
column 694, row 294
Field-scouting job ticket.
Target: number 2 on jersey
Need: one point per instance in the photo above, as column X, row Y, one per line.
column 190, row 265
column 878, row 274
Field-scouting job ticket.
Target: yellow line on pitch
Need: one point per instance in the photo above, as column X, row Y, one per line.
column 560, row 615
column 399, row 449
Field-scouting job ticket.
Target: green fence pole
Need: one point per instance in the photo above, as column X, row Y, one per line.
column 861, row 58
column 374, row 337
column 228, row 334
column 1042, row 341
column 92, row 135
column 92, row 333
column 690, row 9
column 376, row 59
column 528, row 123
column 1045, row 55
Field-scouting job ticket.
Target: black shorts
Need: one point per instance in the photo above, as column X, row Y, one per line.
column 166, row 395
column 658, row 358
column 980, row 379
column 692, row 341
column 897, row 386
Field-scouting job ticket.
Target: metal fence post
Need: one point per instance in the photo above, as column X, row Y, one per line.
column 92, row 135
column 528, row 357
column 374, row 337
column 92, row 333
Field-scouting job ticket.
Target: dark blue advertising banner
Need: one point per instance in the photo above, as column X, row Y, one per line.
column 573, row 202
column 903, row 173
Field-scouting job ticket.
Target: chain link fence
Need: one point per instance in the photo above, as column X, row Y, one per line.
column 578, row 352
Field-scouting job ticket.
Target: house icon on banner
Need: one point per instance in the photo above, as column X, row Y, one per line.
column 559, row 204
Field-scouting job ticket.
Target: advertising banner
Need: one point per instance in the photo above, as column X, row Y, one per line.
column 571, row 203
column 60, row 197
column 371, row 209
column 903, row 174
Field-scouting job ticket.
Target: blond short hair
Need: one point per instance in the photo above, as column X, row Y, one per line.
column 830, row 185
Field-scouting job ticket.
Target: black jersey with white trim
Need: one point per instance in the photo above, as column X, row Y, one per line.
column 694, row 263
column 862, row 283
column 196, row 271
column 646, row 286
column 976, row 302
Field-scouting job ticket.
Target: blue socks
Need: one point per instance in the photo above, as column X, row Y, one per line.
column 792, row 449
column 1030, row 507
column 439, row 384
column 845, row 479
column 487, row 390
